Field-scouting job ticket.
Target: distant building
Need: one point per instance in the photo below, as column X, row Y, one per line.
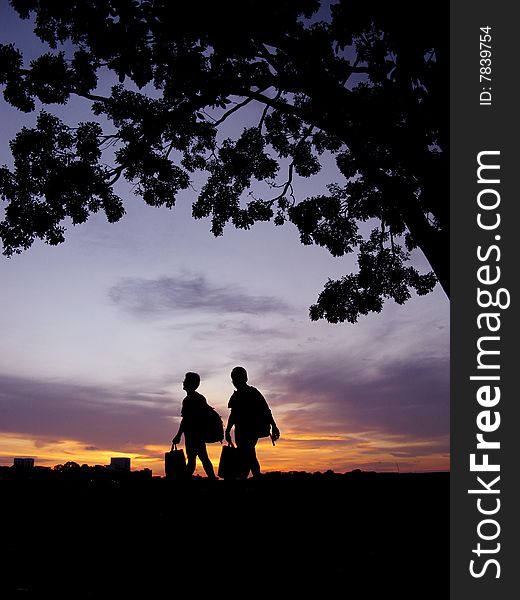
column 120, row 464
column 23, row 463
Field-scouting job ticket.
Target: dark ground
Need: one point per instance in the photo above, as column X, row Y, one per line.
column 358, row 535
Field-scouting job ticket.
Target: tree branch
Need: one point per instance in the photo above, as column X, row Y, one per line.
column 93, row 97
column 268, row 57
column 272, row 102
column 231, row 111
column 116, row 174
column 266, row 108
column 170, row 148
column 286, row 186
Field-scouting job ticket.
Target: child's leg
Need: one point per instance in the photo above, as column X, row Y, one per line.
column 204, row 459
column 255, row 465
column 191, row 455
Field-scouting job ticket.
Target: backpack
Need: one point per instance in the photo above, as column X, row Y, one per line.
column 255, row 416
column 262, row 415
column 264, row 425
column 213, row 426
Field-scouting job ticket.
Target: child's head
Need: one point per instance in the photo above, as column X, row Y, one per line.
column 191, row 382
column 239, row 377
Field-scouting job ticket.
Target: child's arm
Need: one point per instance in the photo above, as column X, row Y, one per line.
column 230, row 423
column 176, row 440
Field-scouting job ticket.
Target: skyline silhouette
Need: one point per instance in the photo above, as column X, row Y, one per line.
column 360, row 533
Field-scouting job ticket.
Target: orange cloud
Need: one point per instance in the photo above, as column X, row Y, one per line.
column 293, row 452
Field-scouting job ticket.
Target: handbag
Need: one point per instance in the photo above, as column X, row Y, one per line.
column 229, row 466
column 175, row 463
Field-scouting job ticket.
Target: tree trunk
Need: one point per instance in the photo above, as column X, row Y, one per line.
column 434, row 243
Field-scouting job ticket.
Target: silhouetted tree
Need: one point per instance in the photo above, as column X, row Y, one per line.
column 363, row 83
column 67, row 467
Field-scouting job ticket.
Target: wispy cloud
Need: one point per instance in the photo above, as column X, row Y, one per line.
column 331, row 394
column 188, row 292
column 97, row 416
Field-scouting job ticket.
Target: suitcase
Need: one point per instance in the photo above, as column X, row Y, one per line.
column 229, row 466
column 175, row 464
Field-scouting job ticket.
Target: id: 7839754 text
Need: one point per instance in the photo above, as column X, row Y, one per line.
column 485, row 66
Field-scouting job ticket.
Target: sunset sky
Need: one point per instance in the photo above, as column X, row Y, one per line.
column 97, row 334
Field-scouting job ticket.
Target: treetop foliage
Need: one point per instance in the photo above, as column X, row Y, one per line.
column 360, row 83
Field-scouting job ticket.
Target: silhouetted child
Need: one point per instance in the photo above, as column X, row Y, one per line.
column 194, row 413
column 252, row 419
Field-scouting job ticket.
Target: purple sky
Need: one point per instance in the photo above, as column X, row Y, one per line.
column 98, row 332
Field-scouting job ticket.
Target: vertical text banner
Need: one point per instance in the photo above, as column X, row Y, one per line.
column 485, row 331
